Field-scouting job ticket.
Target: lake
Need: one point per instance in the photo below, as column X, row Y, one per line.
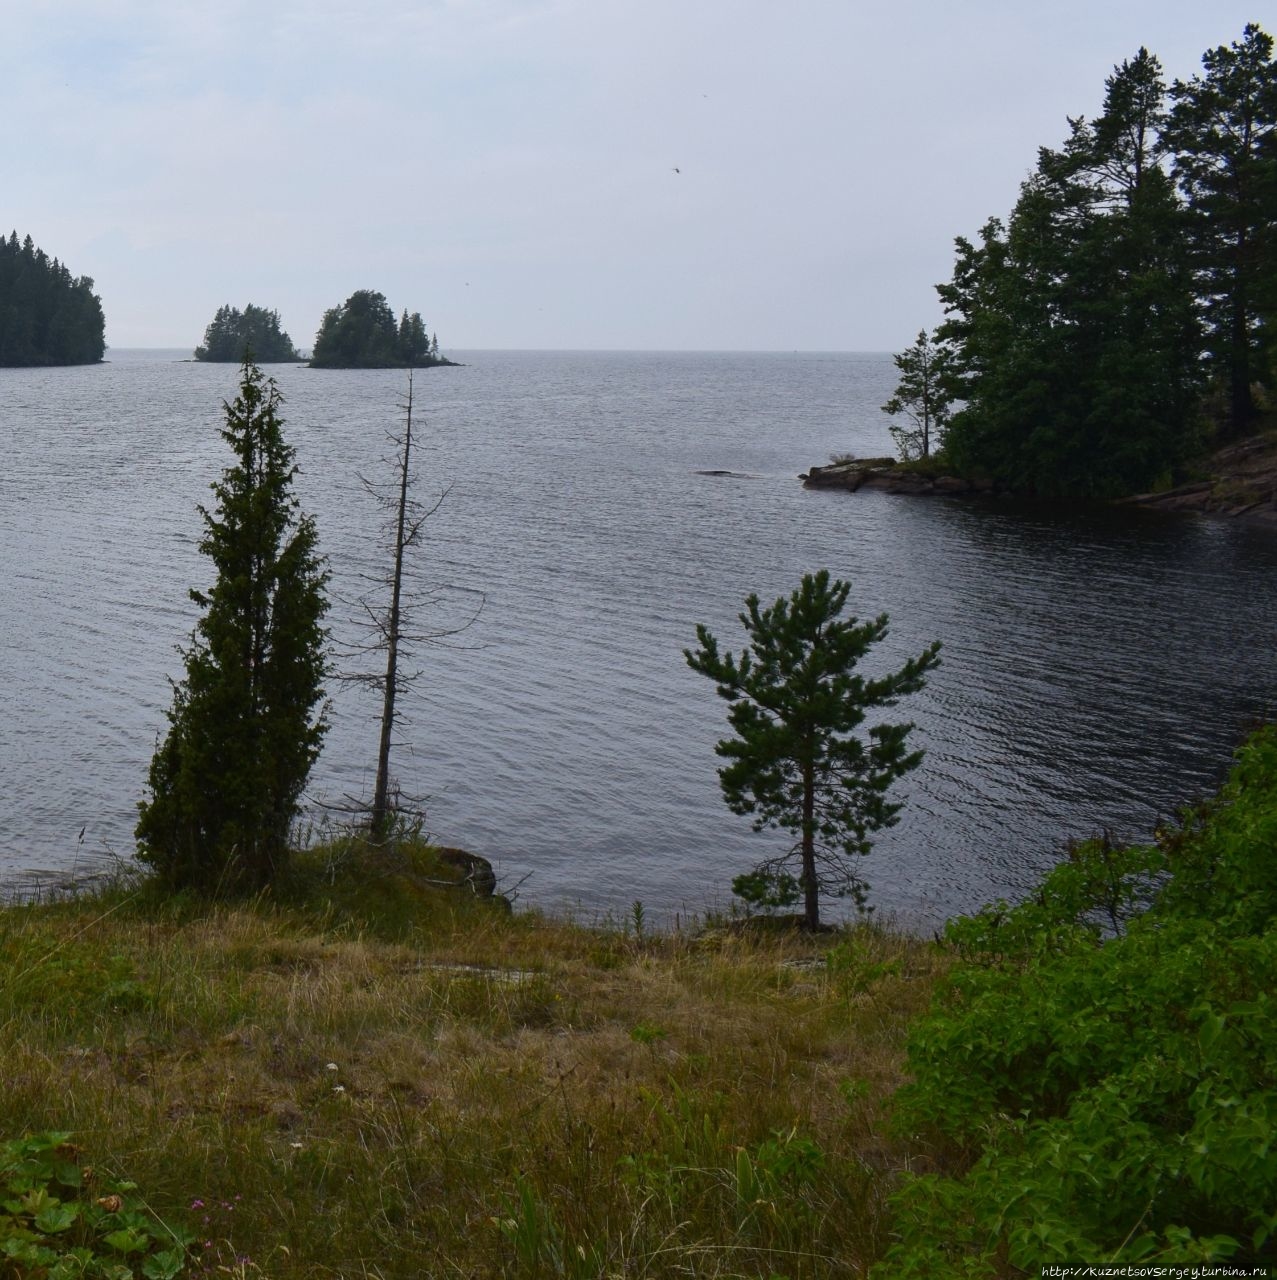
column 1099, row 665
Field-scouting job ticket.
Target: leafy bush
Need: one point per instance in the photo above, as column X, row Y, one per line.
column 1099, row 1075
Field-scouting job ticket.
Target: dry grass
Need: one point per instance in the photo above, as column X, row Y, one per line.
column 473, row 1095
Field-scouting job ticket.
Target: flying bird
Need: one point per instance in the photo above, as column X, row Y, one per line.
column 677, row 169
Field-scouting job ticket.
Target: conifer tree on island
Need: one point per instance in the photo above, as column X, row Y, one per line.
column 247, row 721
column 798, row 762
column 362, row 334
column 234, row 336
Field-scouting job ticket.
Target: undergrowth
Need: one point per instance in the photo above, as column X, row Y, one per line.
column 1098, row 1080
column 369, row 1074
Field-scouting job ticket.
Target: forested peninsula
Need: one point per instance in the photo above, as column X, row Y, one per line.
column 47, row 315
column 1121, row 323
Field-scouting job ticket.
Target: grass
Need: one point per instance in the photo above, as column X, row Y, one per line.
column 367, row 1076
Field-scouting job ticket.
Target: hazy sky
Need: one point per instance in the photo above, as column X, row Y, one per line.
column 508, row 167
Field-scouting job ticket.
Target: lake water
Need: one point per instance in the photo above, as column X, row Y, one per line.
column 1098, row 668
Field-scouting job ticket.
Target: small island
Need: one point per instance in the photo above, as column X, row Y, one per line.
column 47, row 315
column 234, row 334
column 362, row 334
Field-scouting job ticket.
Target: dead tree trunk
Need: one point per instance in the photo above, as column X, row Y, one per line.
column 380, row 820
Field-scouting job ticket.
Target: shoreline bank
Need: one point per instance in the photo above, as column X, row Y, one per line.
column 1238, row 481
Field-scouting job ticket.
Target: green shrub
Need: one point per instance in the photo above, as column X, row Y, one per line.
column 1098, row 1077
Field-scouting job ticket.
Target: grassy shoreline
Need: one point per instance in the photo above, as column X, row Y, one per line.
column 366, row 1076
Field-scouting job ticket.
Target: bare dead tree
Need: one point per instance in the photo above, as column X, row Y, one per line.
column 386, row 615
column 406, row 534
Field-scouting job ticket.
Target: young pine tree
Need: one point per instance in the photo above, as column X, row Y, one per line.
column 921, row 398
column 800, row 761
column 247, row 721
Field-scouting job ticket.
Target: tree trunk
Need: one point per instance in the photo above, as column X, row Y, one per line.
column 811, row 894
column 1241, row 406
column 380, row 820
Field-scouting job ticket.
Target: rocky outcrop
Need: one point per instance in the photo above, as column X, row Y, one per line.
column 1242, row 483
column 1239, row 481
column 889, row 476
column 473, row 872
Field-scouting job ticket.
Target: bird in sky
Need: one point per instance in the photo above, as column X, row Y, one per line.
column 677, row 169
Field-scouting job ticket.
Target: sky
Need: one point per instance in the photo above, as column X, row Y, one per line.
column 580, row 174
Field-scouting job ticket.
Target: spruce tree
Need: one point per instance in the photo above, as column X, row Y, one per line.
column 414, row 343
column 798, row 762
column 247, row 721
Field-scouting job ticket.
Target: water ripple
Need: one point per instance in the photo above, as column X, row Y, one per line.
column 1098, row 666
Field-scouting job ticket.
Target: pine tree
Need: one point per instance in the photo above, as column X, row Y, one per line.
column 1224, row 131
column 997, row 371
column 921, row 397
column 1074, row 331
column 1137, row 339
column 246, row 723
column 798, row 762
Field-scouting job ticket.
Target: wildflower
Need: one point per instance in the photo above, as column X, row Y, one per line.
column 339, row 1088
column 112, row 1204
column 197, row 1204
column 296, row 1146
column 332, row 1066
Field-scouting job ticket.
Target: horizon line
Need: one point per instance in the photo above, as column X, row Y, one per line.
column 812, row 351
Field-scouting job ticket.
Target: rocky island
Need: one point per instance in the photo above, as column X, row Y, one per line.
column 890, row 476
